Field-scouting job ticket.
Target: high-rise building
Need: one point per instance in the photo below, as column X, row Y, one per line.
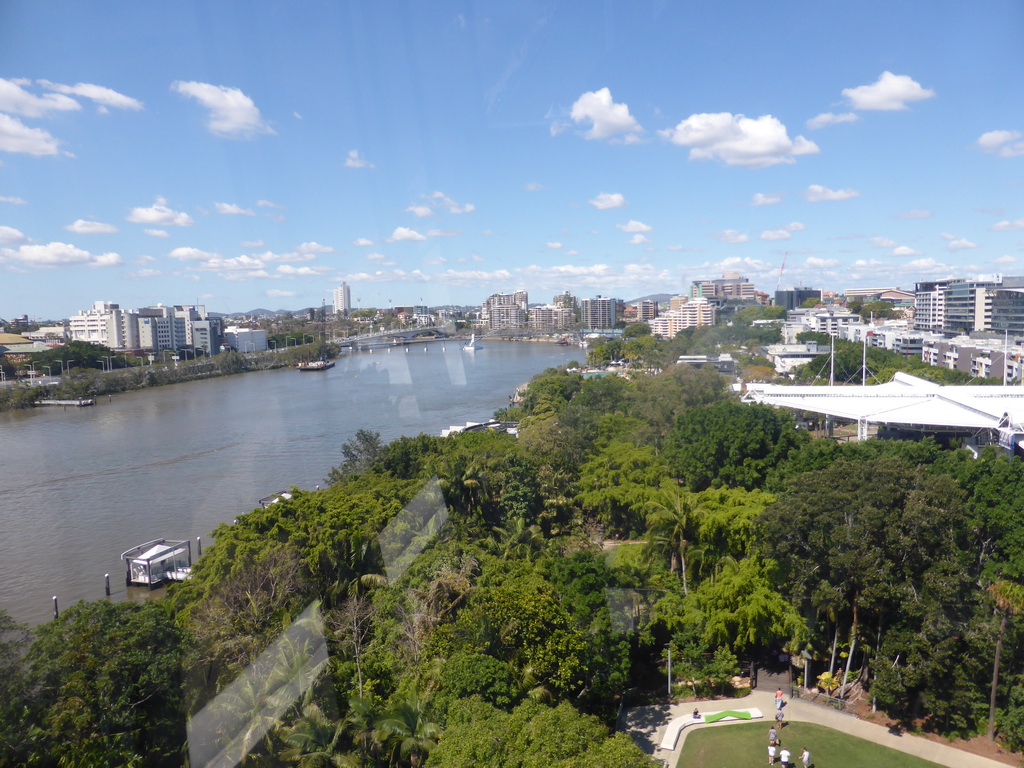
column 646, row 310
column 689, row 314
column 599, row 312
column 729, row 287
column 504, row 311
column 342, row 299
column 551, row 318
column 795, row 297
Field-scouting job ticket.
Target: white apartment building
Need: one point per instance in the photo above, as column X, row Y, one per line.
column 690, row 314
column 502, row 311
column 342, row 299
column 827, row 321
column 551, row 318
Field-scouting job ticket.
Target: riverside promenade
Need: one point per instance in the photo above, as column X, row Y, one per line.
column 647, row 726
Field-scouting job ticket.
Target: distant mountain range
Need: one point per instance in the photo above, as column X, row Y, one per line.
column 661, row 298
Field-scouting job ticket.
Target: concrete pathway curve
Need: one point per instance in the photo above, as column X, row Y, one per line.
column 648, row 724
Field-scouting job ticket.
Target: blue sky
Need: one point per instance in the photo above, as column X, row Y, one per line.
column 249, row 154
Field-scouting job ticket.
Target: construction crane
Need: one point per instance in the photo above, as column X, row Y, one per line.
column 781, row 270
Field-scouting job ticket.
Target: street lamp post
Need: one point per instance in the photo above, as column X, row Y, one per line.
column 110, row 362
column 61, row 363
column 49, row 371
column 290, row 338
column 164, row 353
column 274, row 342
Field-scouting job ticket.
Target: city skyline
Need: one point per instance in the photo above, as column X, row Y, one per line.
column 259, row 155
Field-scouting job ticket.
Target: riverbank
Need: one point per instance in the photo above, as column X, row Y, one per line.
column 79, row 383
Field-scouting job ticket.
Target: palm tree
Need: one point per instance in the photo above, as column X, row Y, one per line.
column 312, row 741
column 408, row 732
column 1009, row 600
column 670, row 526
column 516, row 540
column 363, row 725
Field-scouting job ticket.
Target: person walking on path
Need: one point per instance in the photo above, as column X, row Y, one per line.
column 805, row 758
column 772, row 735
column 778, row 699
column 784, row 757
column 779, row 715
column 771, row 754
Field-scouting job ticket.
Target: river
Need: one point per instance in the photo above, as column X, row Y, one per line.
column 80, row 486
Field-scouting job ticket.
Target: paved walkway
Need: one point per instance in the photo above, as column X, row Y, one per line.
column 648, row 725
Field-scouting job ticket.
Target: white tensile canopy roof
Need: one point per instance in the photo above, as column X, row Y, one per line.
column 906, row 400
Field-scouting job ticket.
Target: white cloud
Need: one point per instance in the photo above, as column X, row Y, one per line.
column 404, row 233
column 819, row 194
column 269, row 204
column 277, row 293
column 606, row 118
column 917, row 213
column 105, row 97
column 288, row 269
column 269, row 257
column 444, row 232
column 1008, row 226
column 440, row 199
column 421, row 211
column 760, row 198
column 12, row 200
column 1007, row 259
column 553, row 246
column 731, row 236
column 56, row 255
column 882, row 242
column 156, row 232
column 571, row 253
column 17, row 137
column 252, row 243
column 776, row 234
column 904, row 250
column 185, row 253
column 12, row 235
column 376, row 257
column 16, row 100
column 83, row 227
column 1002, row 143
column 362, row 241
column 795, row 226
column 889, row 92
column 233, row 115
column 141, row 274
column 533, row 186
column 813, row 261
column 638, row 239
column 830, row 118
column 634, row 226
column 160, row 215
column 738, row 140
column 960, row 244
column 608, row 200
column 435, row 261
column 355, row 161
column 314, row 247
column 230, row 209
column 675, row 248
column 244, row 264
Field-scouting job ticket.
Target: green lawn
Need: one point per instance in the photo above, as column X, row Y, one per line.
column 745, row 745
